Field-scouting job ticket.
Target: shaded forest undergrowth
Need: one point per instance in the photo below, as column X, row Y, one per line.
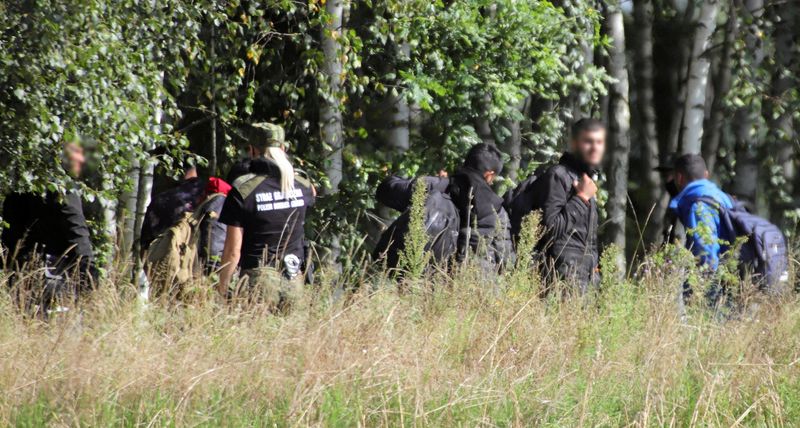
column 448, row 350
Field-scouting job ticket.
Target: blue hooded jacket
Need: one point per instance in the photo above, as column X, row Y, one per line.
column 703, row 231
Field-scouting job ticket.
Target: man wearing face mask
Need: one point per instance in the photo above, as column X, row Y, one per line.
column 485, row 230
column 566, row 195
column 666, row 168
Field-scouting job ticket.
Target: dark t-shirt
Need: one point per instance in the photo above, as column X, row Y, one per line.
column 273, row 223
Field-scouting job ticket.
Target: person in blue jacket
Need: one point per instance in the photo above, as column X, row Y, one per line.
column 704, row 236
column 697, row 207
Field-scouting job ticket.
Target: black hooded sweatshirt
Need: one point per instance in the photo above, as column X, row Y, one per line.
column 485, row 227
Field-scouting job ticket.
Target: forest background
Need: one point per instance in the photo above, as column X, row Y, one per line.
column 365, row 88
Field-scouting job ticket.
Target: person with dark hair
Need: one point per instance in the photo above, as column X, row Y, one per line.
column 692, row 207
column 483, row 223
column 237, row 170
column 566, row 195
column 485, row 229
column 714, row 222
column 167, row 207
column 586, row 125
column 666, row 168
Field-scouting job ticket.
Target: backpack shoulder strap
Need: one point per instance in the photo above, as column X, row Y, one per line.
column 247, row 183
column 200, row 212
column 713, row 203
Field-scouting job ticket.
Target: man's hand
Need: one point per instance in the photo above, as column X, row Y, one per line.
column 585, row 188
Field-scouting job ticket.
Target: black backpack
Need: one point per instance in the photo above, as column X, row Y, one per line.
column 441, row 224
column 520, row 200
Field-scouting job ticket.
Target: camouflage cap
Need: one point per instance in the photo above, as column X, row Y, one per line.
column 264, row 133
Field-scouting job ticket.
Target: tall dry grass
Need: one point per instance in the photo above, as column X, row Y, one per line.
column 460, row 350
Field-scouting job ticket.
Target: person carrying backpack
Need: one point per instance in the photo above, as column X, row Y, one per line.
column 565, row 193
column 265, row 215
column 463, row 214
column 713, row 220
column 485, row 228
column 441, row 219
column 168, row 207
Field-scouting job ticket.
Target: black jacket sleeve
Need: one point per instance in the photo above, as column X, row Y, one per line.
column 17, row 214
column 395, row 192
column 562, row 209
column 74, row 230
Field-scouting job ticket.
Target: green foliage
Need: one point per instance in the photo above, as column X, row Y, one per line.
column 91, row 71
column 415, row 257
column 463, row 54
column 130, row 76
column 525, row 276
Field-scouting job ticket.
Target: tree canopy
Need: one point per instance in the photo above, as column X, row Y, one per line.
column 408, row 85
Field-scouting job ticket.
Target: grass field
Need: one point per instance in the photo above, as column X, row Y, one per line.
column 449, row 351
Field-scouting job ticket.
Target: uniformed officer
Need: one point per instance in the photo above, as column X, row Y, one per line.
column 265, row 213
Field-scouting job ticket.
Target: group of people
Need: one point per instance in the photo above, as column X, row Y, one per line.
column 253, row 221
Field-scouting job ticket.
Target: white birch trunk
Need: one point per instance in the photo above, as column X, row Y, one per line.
column 128, row 202
column 330, row 112
column 618, row 133
column 697, row 82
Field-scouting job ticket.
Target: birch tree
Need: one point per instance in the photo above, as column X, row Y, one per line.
column 618, row 131
column 330, row 111
column 746, row 129
column 330, row 114
column 781, row 128
column 697, row 78
column 722, row 85
column 647, row 131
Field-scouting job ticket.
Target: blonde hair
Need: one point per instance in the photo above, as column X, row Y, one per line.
column 278, row 156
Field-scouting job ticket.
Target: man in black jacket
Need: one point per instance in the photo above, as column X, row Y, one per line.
column 567, row 197
column 484, row 230
column 51, row 229
column 485, row 226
